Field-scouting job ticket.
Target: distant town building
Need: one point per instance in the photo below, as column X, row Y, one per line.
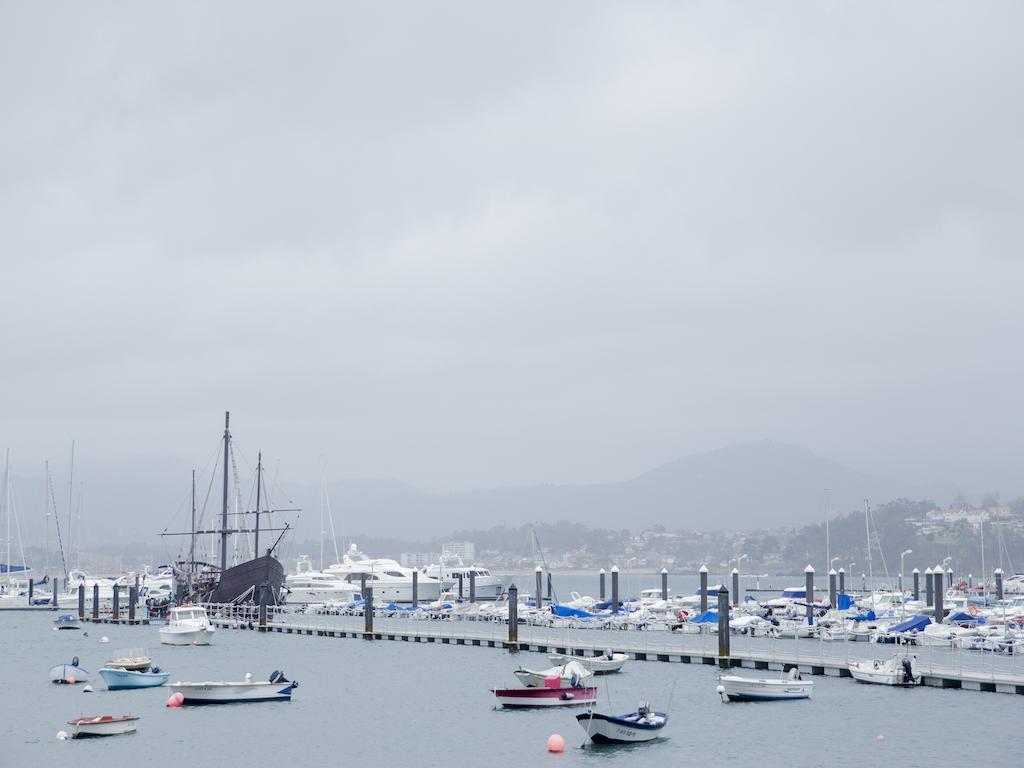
column 418, row 559
column 465, row 550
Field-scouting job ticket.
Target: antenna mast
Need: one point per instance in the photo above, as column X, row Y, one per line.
column 259, row 487
column 867, row 533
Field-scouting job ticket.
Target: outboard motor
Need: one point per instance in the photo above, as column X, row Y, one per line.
column 155, row 670
column 608, row 653
column 908, row 671
column 74, row 661
column 643, row 708
column 277, row 676
column 794, row 673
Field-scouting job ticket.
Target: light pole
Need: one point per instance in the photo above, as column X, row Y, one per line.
column 832, row 561
column 902, row 555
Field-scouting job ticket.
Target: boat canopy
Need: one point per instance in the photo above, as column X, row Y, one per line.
column 913, row 624
column 566, row 612
column 964, row 618
column 844, row 602
column 866, row 616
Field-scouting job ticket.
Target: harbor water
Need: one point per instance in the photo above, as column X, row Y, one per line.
column 422, row 704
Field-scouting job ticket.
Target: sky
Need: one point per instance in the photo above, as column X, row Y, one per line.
column 477, row 244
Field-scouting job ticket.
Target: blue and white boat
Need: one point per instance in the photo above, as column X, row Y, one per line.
column 642, row 725
column 67, row 621
column 122, row 679
column 69, row 673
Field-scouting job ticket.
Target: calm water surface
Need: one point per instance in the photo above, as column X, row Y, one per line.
column 394, row 703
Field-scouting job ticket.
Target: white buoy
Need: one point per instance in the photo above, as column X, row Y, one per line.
column 879, row 737
column 248, row 677
column 87, row 688
column 62, row 735
column 104, row 639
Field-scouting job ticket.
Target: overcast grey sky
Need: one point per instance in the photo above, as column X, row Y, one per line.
column 474, row 244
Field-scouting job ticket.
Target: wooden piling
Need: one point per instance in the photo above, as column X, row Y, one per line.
column 703, row 589
column 31, row 588
column 263, row 607
column 538, row 593
column 735, row 586
column 615, row 589
column 917, row 584
column 472, row 586
column 81, row 601
column 999, row 583
column 832, row 601
column 809, row 591
column 415, row 588
column 513, row 617
column 929, row 588
column 368, row 614
column 133, row 598
column 842, row 581
column 95, row 602
column 116, row 610
column 600, row 578
column 56, row 589
column 940, row 577
column 664, row 584
column 723, row 628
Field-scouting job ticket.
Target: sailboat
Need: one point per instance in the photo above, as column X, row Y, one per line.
column 13, row 576
column 244, row 581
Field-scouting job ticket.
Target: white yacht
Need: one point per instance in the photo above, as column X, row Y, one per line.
column 187, row 625
column 307, row 586
column 390, row 581
column 488, row 587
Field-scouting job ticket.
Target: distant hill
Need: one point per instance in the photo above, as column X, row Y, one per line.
column 753, row 485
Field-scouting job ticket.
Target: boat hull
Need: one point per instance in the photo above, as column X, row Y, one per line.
column 605, row 729
column 599, row 665
column 233, row 693
column 241, row 583
column 881, row 674
column 544, row 697
column 750, row 689
column 186, row 635
column 124, row 679
column 66, row 673
column 84, row 727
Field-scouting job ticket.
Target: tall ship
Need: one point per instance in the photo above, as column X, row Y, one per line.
column 232, row 580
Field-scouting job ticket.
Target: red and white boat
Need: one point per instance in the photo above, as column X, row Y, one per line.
column 545, row 696
column 102, row 725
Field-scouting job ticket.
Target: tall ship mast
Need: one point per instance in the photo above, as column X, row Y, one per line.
column 243, row 582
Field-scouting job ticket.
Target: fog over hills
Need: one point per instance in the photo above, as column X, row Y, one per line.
column 752, row 485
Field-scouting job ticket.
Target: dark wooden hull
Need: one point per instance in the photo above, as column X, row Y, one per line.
column 241, row 583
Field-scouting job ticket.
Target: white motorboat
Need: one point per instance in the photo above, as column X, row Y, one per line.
column 604, row 664
column 569, row 675
column 448, row 571
column 277, row 688
column 898, row 670
column 66, row 622
column 788, row 687
column 391, row 582
column 307, row 586
column 118, row 679
column 642, row 725
column 187, row 625
column 102, row 725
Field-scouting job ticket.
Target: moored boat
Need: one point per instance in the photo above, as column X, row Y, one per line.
column 277, row 688
column 66, row 621
column 102, row 725
column 642, row 725
column 569, row 675
column 896, row 671
column 118, row 679
column 133, row 659
column 544, row 697
column 607, row 663
column 187, row 625
column 791, row 686
column 69, row 674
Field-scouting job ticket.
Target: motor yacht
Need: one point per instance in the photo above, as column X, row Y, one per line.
column 448, row 571
column 390, row 581
column 187, row 625
column 308, row 586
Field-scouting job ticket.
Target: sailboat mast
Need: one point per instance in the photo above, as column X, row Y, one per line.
column 867, row 534
column 192, row 542
column 6, row 506
column 259, row 480
column 71, row 495
column 224, row 508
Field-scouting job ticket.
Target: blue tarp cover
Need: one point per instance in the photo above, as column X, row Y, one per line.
column 708, row 617
column 869, row 616
column 843, row 602
column 913, row 624
column 566, row 612
column 965, row 618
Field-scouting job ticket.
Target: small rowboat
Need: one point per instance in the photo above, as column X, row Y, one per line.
column 278, row 688
column 66, row 622
column 69, row 673
column 642, row 725
column 735, row 688
column 122, row 679
column 604, row 664
column 102, row 725
column 544, row 697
